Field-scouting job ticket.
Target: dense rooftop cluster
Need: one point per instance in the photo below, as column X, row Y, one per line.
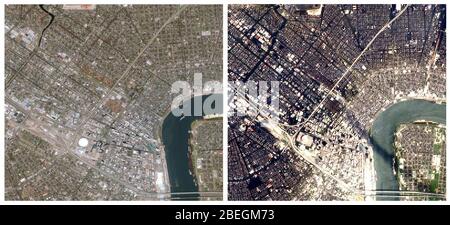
column 103, row 73
column 338, row 66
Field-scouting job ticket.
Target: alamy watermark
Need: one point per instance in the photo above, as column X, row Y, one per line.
column 251, row 98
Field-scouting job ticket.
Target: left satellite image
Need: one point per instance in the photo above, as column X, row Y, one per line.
column 90, row 99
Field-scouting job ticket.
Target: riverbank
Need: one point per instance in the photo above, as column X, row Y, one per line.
column 175, row 137
column 408, row 139
column 382, row 132
column 206, row 145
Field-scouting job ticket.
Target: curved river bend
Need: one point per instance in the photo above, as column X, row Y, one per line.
column 382, row 134
column 175, row 137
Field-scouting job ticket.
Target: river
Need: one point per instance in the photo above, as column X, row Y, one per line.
column 382, row 134
column 175, row 137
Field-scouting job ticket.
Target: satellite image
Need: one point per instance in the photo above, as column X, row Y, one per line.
column 88, row 95
column 356, row 107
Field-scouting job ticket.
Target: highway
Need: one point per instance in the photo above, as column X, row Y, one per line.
column 349, row 68
column 290, row 140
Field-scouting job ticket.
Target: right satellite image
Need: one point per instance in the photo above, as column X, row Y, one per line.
column 337, row 102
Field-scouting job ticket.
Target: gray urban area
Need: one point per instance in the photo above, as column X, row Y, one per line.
column 87, row 91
